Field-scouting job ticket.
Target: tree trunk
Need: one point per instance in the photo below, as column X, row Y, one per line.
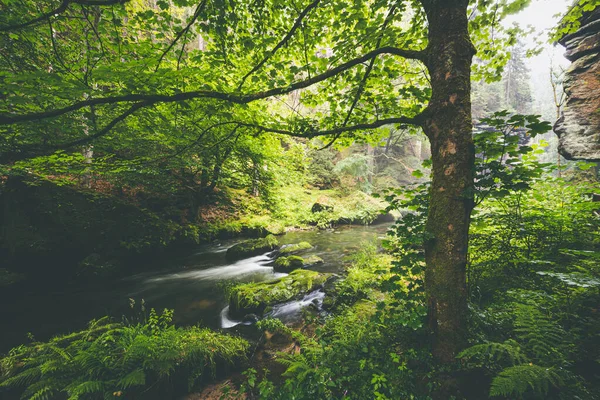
column 448, row 126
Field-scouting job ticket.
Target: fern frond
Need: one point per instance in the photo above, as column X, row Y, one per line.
column 24, row 378
column 515, row 381
column 43, row 394
column 134, row 378
column 543, row 337
column 489, row 354
column 87, row 387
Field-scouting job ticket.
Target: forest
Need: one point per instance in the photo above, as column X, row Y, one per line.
column 299, row 199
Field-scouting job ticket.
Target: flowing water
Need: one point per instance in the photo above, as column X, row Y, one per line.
column 192, row 285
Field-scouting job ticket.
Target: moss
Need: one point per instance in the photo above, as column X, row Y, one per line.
column 295, row 248
column 252, row 247
column 256, row 297
column 288, row 264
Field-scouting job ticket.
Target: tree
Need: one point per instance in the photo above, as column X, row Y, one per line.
column 517, row 90
column 404, row 63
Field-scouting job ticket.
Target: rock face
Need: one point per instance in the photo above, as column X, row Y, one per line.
column 578, row 128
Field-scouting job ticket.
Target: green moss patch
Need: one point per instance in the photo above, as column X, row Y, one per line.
column 255, row 297
column 252, row 247
column 290, row 263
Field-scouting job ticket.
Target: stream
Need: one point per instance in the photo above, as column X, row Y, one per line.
column 192, row 284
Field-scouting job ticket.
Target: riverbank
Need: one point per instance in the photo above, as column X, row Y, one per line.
column 188, row 282
column 61, row 232
column 203, row 295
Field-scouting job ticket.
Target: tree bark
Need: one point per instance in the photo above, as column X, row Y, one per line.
column 448, row 126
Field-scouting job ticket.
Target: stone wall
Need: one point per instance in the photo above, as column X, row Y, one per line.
column 578, row 128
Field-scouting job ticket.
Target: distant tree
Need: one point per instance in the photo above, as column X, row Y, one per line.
column 516, row 81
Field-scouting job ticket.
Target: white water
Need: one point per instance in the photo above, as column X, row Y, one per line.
column 225, row 321
column 291, row 309
column 243, row 267
column 286, row 312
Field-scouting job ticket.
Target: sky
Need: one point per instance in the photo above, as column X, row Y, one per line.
column 543, row 15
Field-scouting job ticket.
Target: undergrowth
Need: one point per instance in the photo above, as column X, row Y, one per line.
column 146, row 359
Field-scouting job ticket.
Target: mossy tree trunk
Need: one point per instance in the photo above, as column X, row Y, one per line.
column 448, row 125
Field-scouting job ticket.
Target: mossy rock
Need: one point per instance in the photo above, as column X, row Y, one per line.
column 295, row 248
column 288, row 264
column 252, row 247
column 256, row 297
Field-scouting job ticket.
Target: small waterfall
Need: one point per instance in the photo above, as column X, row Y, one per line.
column 286, row 312
column 291, row 310
column 227, row 323
column 241, row 267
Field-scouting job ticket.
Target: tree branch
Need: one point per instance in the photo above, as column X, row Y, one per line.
column 363, row 81
column 148, row 99
column 59, row 10
column 416, row 120
column 35, row 151
column 283, row 41
column 182, row 32
column 31, row 152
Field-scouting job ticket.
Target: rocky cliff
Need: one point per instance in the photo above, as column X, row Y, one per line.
column 578, row 128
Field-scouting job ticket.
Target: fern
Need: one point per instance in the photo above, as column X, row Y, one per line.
column 88, row 387
column 516, row 381
column 109, row 358
column 542, row 337
column 134, row 378
column 23, row 378
column 491, row 354
column 43, row 394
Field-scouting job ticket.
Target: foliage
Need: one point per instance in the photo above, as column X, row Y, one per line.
column 352, row 353
column 356, row 166
column 364, row 278
column 523, row 327
column 571, row 21
column 112, row 359
column 532, row 281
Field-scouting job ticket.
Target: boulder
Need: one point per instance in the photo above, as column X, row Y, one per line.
column 252, row 247
column 254, row 298
column 312, row 261
column 290, row 263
